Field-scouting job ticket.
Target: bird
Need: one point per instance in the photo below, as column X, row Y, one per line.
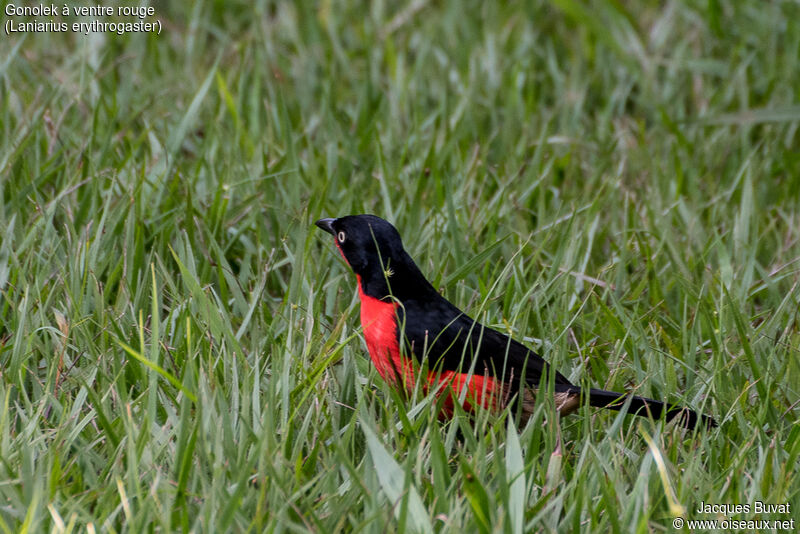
column 405, row 319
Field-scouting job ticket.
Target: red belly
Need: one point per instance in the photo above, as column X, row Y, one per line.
column 379, row 322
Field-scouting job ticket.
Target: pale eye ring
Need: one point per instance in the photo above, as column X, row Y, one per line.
column 340, row 236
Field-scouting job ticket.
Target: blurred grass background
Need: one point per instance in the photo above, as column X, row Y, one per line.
column 616, row 183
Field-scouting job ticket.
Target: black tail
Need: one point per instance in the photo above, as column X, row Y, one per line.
column 648, row 408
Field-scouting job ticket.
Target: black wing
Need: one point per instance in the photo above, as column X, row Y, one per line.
column 449, row 340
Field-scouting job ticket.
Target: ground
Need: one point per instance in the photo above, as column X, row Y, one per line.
column 617, row 184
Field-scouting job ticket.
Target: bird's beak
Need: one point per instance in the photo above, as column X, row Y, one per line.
column 327, row 225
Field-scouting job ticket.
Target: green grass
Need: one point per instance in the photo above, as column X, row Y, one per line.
column 616, row 183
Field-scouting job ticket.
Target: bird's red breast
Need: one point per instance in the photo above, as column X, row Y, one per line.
column 379, row 324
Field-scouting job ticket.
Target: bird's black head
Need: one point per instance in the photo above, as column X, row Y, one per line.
column 366, row 241
column 373, row 249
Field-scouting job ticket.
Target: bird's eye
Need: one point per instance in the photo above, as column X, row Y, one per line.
column 340, row 237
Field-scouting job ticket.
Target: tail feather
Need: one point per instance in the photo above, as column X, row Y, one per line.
column 648, row 408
